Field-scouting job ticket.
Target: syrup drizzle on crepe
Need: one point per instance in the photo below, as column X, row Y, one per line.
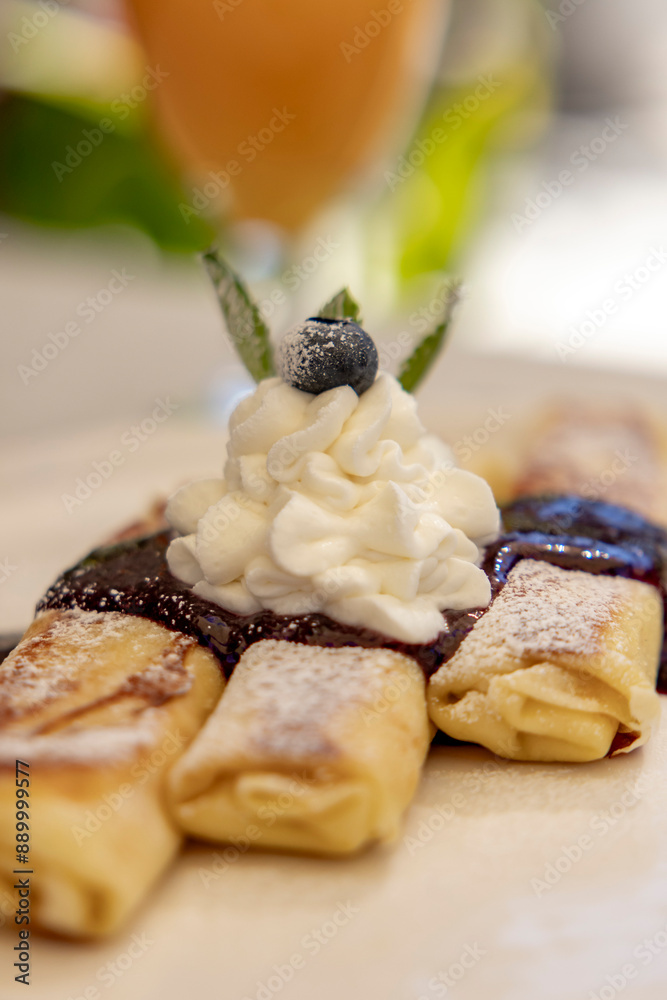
column 567, row 531
column 133, row 577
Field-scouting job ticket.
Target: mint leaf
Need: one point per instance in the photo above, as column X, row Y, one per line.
column 342, row 306
column 416, row 367
column 245, row 325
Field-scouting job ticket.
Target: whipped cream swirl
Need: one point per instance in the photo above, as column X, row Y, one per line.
column 340, row 504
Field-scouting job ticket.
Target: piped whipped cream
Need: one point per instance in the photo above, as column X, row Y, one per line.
column 340, row 504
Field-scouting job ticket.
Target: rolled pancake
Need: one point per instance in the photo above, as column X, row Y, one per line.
column 99, row 705
column 561, row 667
column 312, row 749
column 615, row 454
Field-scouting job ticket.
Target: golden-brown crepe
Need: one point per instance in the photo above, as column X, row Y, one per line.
column 310, row 748
column 614, row 453
column 562, row 667
column 99, row 705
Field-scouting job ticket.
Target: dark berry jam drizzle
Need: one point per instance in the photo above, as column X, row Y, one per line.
column 132, row 577
column 590, row 535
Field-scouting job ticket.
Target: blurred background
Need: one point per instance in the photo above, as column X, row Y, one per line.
column 519, row 144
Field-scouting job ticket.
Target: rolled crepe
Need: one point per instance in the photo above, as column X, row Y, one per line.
column 99, row 705
column 617, row 454
column 312, row 749
column 562, row 667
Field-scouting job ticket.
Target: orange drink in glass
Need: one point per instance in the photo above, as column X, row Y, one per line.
column 286, row 101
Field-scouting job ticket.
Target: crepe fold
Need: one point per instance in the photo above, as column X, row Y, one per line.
column 310, row 749
column 99, row 706
column 561, row 667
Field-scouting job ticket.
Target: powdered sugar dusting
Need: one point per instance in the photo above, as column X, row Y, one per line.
column 297, row 690
column 165, row 679
column 544, row 610
column 93, row 746
column 73, row 663
column 49, row 660
column 295, row 358
column 298, row 359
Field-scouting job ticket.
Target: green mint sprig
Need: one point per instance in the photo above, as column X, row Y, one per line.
column 417, row 366
column 246, row 327
column 343, row 305
column 252, row 339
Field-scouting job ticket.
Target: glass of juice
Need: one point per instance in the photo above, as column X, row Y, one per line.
column 287, row 102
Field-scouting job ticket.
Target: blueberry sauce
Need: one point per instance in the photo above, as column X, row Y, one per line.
column 132, row 577
column 589, row 535
column 573, row 533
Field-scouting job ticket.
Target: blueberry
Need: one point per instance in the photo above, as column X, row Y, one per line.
column 321, row 354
